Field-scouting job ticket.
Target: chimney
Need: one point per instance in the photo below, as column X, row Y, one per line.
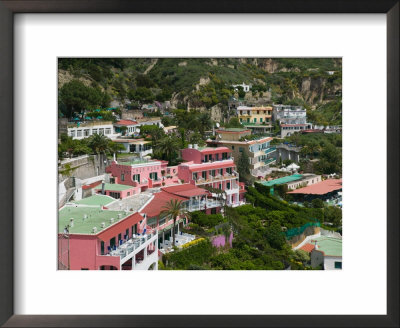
column 195, row 146
column 112, row 220
column 94, row 230
column 114, row 158
column 190, row 146
column 103, row 224
column 103, row 185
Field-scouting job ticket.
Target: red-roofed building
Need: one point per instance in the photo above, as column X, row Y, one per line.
column 194, row 199
column 130, row 125
column 307, row 248
column 325, row 189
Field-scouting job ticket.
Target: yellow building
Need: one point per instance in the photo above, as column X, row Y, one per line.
column 256, row 118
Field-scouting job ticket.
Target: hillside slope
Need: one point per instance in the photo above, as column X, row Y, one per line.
column 202, row 83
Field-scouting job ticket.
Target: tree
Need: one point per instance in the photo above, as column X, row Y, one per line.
column 174, row 209
column 99, row 143
column 142, row 95
column 244, row 165
column 275, row 236
column 317, row 203
column 75, row 97
column 234, row 123
column 204, row 122
column 167, row 148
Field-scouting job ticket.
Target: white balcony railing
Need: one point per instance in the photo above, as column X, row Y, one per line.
column 132, row 246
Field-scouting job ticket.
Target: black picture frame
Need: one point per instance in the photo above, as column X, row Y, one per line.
column 10, row 7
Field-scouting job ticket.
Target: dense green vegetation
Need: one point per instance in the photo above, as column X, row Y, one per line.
column 326, row 148
column 259, row 241
column 95, row 144
column 146, row 80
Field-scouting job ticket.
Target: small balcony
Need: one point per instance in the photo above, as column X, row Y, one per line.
column 269, row 161
column 211, row 179
column 126, row 250
column 269, row 150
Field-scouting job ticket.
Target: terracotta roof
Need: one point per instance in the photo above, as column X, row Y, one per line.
column 307, row 248
column 155, row 207
column 320, row 188
column 92, row 185
column 211, row 150
column 185, row 190
column 125, row 122
column 119, row 227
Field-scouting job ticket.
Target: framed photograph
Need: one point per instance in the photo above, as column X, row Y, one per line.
column 215, row 164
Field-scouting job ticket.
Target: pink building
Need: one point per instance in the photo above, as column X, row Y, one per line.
column 143, row 174
column 94, row 239
column 114, row 190
column 194, row 199
column 212, row 167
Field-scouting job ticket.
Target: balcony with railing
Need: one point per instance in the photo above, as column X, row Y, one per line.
column 218, row 177
column 269, row 160
column 269, row 150
column 196, row 205
column 129, row 248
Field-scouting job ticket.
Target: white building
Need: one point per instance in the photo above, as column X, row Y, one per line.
column 246, row 87
column 291, row 119
column 82, row 130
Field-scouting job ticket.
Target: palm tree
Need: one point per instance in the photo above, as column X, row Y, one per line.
column 174, row 209
column 99, row 143
column 167, row 148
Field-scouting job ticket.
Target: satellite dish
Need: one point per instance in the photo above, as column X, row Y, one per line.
column 217, row 125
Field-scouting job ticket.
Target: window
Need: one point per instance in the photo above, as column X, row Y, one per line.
column 233, row 147
column 72, row 133
column 94, row 131
column 228, row 185
column 338, row 265
column 122, row 177
column 119, row 237
column 204, row 174
column 217, row 157
column 101, row 131
column 195, row 176
column 112, row 242
column 241, row 120
column 261, row 120
column 248, row 120
column 79, row 133
column 102, row 248
column 221, row 171
column 241, row 149
column 108, row 131
column 212, row 172
column 136, row 177
column 86, row 132
column 229, row 170
column 220, row 186
column 210, row 157
column 255, row 120
column 127, row 232
column 129, row 193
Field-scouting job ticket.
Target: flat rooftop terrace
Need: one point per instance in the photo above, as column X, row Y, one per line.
column 329, row 245
column 113, row 187
column 95, row 216
column 99, row 200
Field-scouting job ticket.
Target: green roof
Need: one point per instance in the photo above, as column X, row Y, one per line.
column 113, row 187
column 283, row 180
column 95, row 200
column 331, row 246
column 95, row 216
column 233, row 130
